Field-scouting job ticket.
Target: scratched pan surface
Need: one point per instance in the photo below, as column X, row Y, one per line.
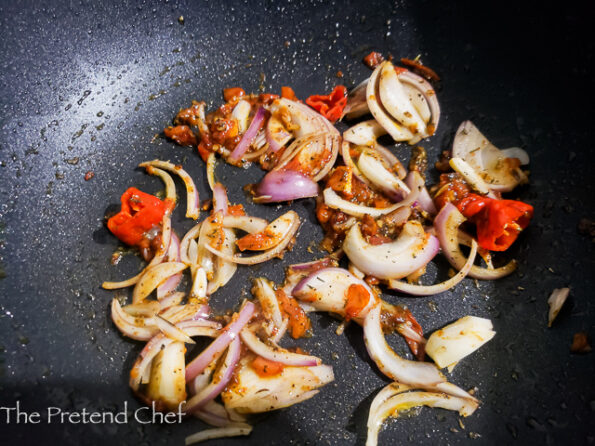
column 86, row 87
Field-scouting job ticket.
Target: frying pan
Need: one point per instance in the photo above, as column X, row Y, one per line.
column 85, row 86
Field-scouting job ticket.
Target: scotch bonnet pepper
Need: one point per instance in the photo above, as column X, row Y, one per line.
column 499, row 222
column 139, row 213
column 330, row 106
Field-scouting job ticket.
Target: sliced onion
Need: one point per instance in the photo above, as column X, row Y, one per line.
column 267, row 255
column 555, row 301
column 173, row 254
column 428, row 290
column 133, row 327
column 364, row 133
column 396, row 101
column 216, row 348
column 240, row 113
column 230, row 430
column 412, row 250
column 248, row 136
column 381, row 177
column 185, row 244
column 326, row 290
column 485, row 158
column 219, row 198
column 199, row 284
column 356, row 102
column 147, row 308
column 284, row 185
column 429, row 94
column 394, row 129
column 224, row 270
column 171, row 331
column 273, row 352
column 276, row 134
column 348, row 161
column 469, row 175
column 413, row 373
column 160, row 341
column 172, row 299
column 446, row 224
column 211, row 161
column 153, row 277
column 516, row 152
column 192, row 209
column 249, row 393
column 395, row 398
column 265, row 293
column 391, row 160
column 170, row 186
column 220, row 378
column 424, row 199
column 245, row 223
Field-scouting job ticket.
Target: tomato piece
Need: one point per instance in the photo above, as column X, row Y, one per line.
column 265, row 367
column 233, row 93
column 357, row 299
column 299, row 322
column 139, row 213
column 288, row 93
column 180, row 134
column 373, row 59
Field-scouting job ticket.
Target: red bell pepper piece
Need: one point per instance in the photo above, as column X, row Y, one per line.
column 330, row 106
column 139, row 213
column 499, row 222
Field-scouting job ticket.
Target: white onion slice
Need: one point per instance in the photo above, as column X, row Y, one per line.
column 245, row 223
column 555, row 301
column 356, row 102
column 153, row 277
column 428, row 290
column 326, row 290
column 185, row 244
column 469, row 175
column 199, row 284
column 412, row 250
column 381, row 177
column 249, row 393
column 224, row 271
column 170, row 186
column 395, row 398
column 160, row 341
column 171, row 331
column 266, row 255
column 192, row 208
column 274, row 233
column 364, row 133
column 172, row 299
column 396, row 100
column 452, row 343
column 166, row 387
column 424, row 88
column 394, row 129
column 413, row 373
column 211, row 161
column 240, row 113
column 265, row 293
column 486, row 159
column 139, row 328
column 231, row 430
column 273, row 352
column 147, row 308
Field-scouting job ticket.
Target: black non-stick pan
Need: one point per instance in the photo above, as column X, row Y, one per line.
column 85, row 87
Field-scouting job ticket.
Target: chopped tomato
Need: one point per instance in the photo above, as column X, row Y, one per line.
column 340, row 181
column 267, row 98
column 180, row 134
column 426, row 72
column 299, row 322
column 288, row 93
column 330, row 106
column 265, row 367
column 499, row 222
column 230, row 94
column 373, row 59
column 369, row 226
column 139, row 213
column 236, row 210
column 357, row 299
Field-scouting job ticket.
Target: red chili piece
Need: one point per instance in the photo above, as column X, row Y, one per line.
column 499, row 222
column 330, row 106
column 139, row 213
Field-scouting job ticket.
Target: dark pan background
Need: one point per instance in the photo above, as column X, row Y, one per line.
column 85, row 86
